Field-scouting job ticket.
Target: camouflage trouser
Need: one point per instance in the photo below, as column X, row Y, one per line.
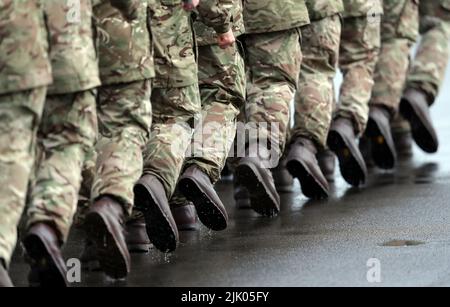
column 427, row 71
column 360, row 45
column 314, row 100
column 273, row 63
column 222, row 90
column 67, row 132
column 84, row 196
column 175, row 110
column 124, row 114
column 399, row 30
column 20, row 114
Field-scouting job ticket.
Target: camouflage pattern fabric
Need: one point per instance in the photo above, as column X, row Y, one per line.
column 273, row 63
column 22, row 31
column 175, row 110
column 66, row 134
column 69, row 126
column 128, row 7
column 222, row 84
column 124, row 109
column 20, row 114
column 73, row 55
column 427, row 71
column 222, row 90
column 399, row 31
column 24, row 73
column 360, row 46
column 176, row 98
column 125, row 53
column 314, row 100
column 363, row 8
column 124, row 114
column 175, row 59
column 319, row 9
column 217, row 14
column 206, row 35
column 262, row 16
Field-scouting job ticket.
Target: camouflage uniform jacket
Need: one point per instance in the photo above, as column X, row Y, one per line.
column 24, row 62
column 204, row 30
column 125, row 48
column 175, row 57
column 261, row 16
column 360, row 8
column 435, row 8
column 319, row 9
column 72, row 51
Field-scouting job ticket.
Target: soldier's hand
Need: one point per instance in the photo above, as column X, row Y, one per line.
column 226, row 40
column 128, row 8
column 189, row 5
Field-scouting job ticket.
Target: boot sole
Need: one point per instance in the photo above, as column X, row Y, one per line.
column 260, row 200
column 208, row 212
column 311, row 188
column 421, row 134
column 159, row 229
column 112, row 260
column 382, row 155
column 349, row 166
column 44, row 271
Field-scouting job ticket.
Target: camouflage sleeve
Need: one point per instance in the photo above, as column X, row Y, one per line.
column 216, row 14
column 129, row 8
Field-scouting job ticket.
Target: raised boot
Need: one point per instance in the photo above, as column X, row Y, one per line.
column 303, row 165
column 196, row 186
column 415, row 109
column 342, row 141
column 379, row 133
column 253, row 174
column 104, row 226
column 43, row 252
column 151, row 200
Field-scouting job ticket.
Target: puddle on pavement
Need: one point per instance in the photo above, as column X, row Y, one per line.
column 402, row 243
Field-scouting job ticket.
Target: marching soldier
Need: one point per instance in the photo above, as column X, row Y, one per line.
column 124, row 115
column 426, row 74
column 399, row 32
column 67, row 132
column 176, row 107
column 222, row 90
column 273, row 58
column 315, row 98
column 25, row 73
column 360, row 46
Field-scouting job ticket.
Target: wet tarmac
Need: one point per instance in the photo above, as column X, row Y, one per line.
column 401, row 219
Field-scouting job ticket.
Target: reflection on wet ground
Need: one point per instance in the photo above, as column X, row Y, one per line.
column 401, row 218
